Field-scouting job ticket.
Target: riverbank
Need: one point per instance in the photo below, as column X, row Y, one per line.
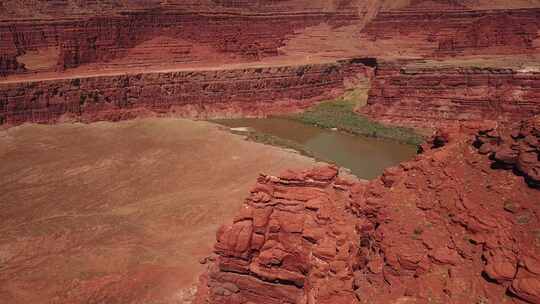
column 339, row 114
column 365, row 157
column 251, row 134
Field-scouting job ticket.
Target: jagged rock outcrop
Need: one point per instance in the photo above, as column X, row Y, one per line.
column 517, row 149
column 450, row 228
column 231, row 92
column 428, row 95
column 443, row 228
column 293, row 242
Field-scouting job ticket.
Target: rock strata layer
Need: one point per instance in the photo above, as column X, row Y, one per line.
column 146, row 38
column 403, row 93
column 446, row 227
column 453, row 31
column 197, row 93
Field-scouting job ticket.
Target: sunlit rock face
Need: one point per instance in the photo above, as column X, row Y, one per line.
column 456, row 225
column 452, row 226
column 203, row 93
column 430, row 95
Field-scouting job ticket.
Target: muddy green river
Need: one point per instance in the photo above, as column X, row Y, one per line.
column 365, row 157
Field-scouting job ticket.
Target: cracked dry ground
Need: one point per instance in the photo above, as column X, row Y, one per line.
column 455, row 225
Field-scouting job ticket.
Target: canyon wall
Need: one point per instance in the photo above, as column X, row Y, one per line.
column 428, row 96
column 102, row 39
column 293, row 240
column 451, row 226
column 453, row 63
column 29, row 9
column 223, row 31
column 192, row 93
column 422, row 32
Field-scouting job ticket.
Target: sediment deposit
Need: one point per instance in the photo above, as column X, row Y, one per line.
column 143, row 37
column 447, row 227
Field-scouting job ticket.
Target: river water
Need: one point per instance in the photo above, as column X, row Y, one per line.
column 365, row 157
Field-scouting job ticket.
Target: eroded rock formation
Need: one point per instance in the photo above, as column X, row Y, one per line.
column 452, row 31
column 102, row 39
column 443, row 228
column 413, row 93
column 293, row 240
column 204, row 93
column 209, row 31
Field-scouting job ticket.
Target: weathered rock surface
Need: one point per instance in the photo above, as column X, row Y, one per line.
column 428, row 96
column 197, row 93
column 294, row 241
column 167, row 35
column 454, row 30
column 517, row 149
column 227, row 37
column 451, row 61
column 443, row 228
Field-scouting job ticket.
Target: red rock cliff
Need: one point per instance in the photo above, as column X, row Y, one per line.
column 450, row 32
column 426, row 96
column 85, row 32
column 101, row 39
column 447, row 227
column 198, row 93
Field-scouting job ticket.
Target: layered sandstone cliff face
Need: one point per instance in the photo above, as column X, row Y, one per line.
column 60, row 8
column 100, row 32
column 428, row 96
column 236, row 92
column 431, row 32
column 451, row 61
column 103, row 39
column 163, row 35
column 447, row 227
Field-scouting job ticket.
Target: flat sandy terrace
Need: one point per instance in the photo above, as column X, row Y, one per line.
column 119, row 212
